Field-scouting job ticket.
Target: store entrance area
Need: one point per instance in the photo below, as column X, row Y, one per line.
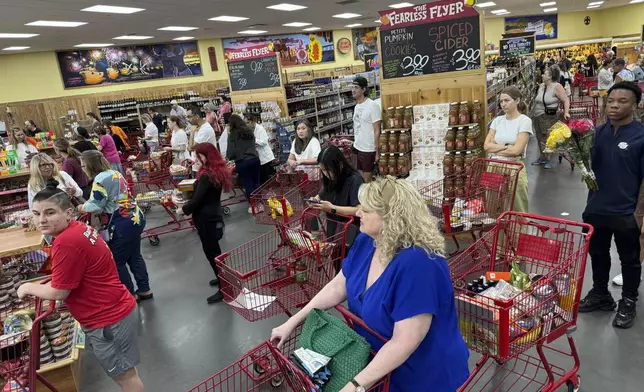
column 183, row 340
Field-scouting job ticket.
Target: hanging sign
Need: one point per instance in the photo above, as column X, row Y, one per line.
column 430, row 38
column 517, row 46
column 254, row 73
column 371, row 61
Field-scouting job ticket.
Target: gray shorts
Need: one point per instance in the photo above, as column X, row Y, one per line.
column 116, row 346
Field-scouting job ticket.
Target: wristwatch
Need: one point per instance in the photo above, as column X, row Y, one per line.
column 359, row 388
column 333, row 210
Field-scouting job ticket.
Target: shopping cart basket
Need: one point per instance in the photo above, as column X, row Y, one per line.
column 345, row 143
column 504, row 322
column 471, row 205
column 266, row 365
column 20, row 354
column 282, row 198
column 282, row 270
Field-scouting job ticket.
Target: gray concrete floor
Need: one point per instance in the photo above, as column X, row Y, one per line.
column 183, row 340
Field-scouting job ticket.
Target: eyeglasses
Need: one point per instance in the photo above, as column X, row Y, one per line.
column 46, row 165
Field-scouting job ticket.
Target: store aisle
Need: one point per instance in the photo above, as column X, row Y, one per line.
column 183, row 340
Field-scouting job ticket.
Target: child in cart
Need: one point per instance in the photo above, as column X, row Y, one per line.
column 90, row 287
column 396, row 280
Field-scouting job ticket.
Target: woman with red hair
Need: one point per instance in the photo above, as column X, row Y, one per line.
column 205, row 206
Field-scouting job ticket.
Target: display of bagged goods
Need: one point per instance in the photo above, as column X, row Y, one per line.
column 437, row 112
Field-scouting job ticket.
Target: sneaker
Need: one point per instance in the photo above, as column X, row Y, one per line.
column 618, row 280
column 217, row 297
column 539, row 161
column 214, row 282
column 626, row 314
column 594, row 301
column 547, row 165
column 250, row 209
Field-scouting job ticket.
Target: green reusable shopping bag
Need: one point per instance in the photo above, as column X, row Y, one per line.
column 330, row 336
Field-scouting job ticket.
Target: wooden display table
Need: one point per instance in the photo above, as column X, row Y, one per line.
column 64, row 375
column 16, row 240
column 20, row 173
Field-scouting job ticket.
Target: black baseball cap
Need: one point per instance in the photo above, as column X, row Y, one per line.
column 621, row 62
column 361, row 81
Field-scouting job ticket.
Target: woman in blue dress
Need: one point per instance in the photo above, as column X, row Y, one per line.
column 396, row 279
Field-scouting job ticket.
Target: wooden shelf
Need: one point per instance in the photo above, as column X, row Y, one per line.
column 12, row 191
column 21, row 173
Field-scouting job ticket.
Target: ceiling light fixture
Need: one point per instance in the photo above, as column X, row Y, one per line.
column 17, row 48
column 312, row 29
column 55, row 23
column 134, row 37
column 593, row 6
column 596, row 3
column 400, row 5
column 297, row 24
column 486, row 4
column 110, row 9
column 252, row 32
column 636, row 1
column 353, row 25
column 183, row 38
column 92, row 45
column 548, row 4
column 178, row 28
column 17, row 35
column 347, row 15
column 225, row 18
column 549, row 9
column 286, row 7
column 501, row 11
column 379, row 21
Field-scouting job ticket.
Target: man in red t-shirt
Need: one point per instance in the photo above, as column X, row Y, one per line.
column 84, row 275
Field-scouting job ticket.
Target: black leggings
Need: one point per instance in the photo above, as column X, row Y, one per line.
column 210, row 232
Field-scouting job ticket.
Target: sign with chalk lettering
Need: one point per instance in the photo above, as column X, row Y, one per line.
column 517, row 46
column 429, row 39
column 254, row 73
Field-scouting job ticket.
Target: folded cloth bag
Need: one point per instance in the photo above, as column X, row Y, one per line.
column 330, row 336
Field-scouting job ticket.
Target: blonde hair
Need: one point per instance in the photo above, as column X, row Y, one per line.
column 406, row 219
column 36, row 181
column 94, row 163
column 12, row 138
column 146, row 118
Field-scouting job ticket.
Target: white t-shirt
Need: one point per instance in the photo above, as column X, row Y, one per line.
column 179, row 141
column 152, row 132
column 364, row 116
column 205, row 134
column 262, row 146
column 507, row 131
column 312, row 150
column 23, row 149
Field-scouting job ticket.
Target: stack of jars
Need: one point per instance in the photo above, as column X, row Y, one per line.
column 462, row 114
column 463, row 138
column 394, row 141
column 457, row 167
column 399, row 117
column 397, row 165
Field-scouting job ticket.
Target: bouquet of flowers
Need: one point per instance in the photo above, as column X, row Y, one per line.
column 576, row 138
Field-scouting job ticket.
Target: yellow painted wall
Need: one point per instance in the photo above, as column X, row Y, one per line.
column 611, row 22
column 34, row 76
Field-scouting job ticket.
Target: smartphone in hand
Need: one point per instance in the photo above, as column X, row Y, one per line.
column 312, row 201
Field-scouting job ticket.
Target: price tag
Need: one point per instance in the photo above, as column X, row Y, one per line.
column 80, row 337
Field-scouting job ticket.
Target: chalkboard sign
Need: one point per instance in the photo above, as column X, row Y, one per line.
column 429, row 39
column 517, row 46
column 252, row 74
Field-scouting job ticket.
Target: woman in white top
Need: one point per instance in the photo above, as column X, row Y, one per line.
column 42, row 168
column 508, row 139
column 545, row 111
column 263, row 147
column 179, row 141
column 305, row 150
column 18, row 141
column 604, row 83
column 151, row 135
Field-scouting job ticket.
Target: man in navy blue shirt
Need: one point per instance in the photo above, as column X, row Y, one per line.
column 617, row 157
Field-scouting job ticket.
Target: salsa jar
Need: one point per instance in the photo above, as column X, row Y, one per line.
column 476, row 111
column 393, row 142
column 448, row 187
column 450, row 145
column 404, row 141
column 450, row 134
column 464, row 114
column 448, row 164
column 469, row 159
column 383, row 142
column 383, row 165
column 472, row 144
column 459, row 187
column 408, row 118
column 474, row 132
column 453, row 113
column 400, row 116
column 391, row 117
column 392, row 166
column 459, row 163
column 403, row 165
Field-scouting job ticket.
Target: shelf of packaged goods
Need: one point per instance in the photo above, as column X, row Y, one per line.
column 117, row 109
column 12, row 191
column 329, row 127
column 329, row 110
column 300, row 99
column 15, row 206
column 349, row 105
column 326, row 93
column 304, row 117
column 21, row 173
column 124, row 120
column 150, row 105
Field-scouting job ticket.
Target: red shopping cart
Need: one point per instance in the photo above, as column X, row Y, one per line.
column 345, row 143
column 282, row 270
column 266, row 365
column 282, row 198
column 20, row 354
column 470, row 205
column 504, row 322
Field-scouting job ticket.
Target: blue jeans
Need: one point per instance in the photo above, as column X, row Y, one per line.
column 126, row 249
column 248, row 170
